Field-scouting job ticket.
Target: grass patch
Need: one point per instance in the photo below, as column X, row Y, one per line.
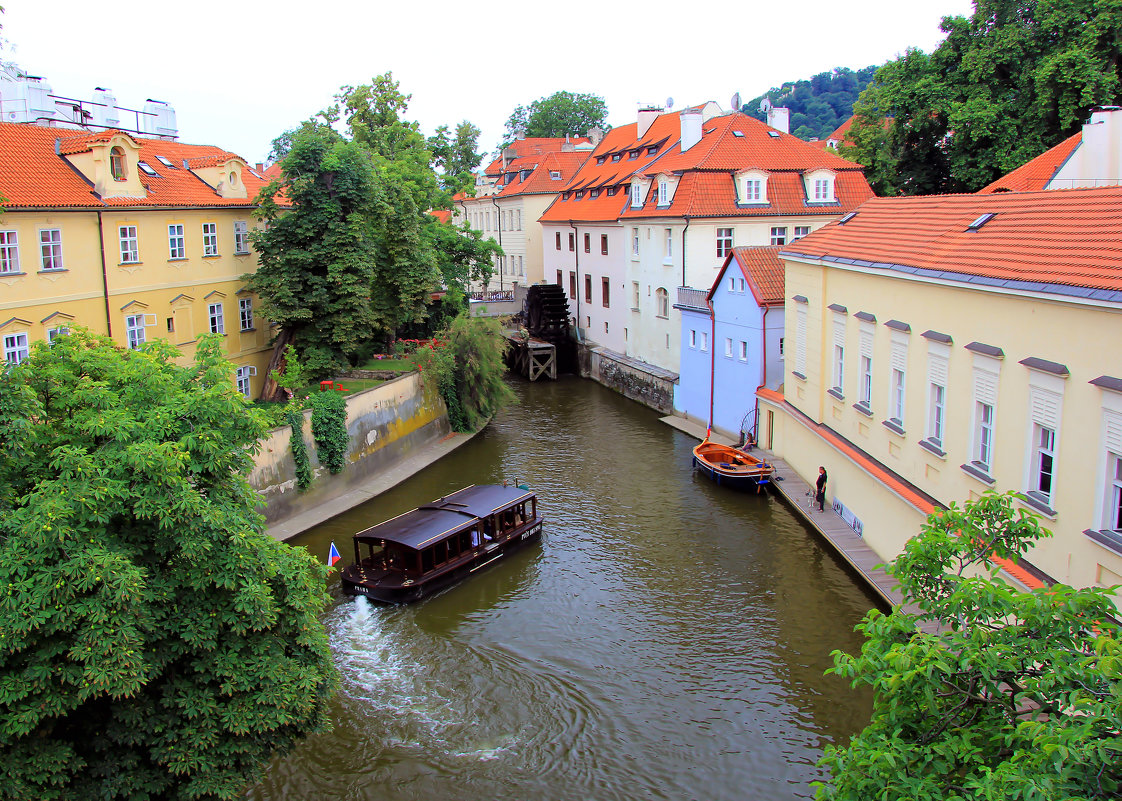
column 402, row 365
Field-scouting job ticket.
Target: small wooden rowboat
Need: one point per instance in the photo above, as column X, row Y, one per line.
column 732, row 467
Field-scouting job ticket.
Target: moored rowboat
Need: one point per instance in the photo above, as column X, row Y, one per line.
column 732, row 467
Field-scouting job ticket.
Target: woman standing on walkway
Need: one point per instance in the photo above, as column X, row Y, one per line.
column 820, row 492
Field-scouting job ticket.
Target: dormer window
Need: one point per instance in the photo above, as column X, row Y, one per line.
column 611, row 191
column 663, row 192
column 616, row 156
column 555, row 175
column 594, row 193
column 580, row 194
column 819, row 186
column 634, row 154
column 233, row 179
column 652, row 150
column 117, row 165
column 636, row 195
column 600, row 159
column 753, row 190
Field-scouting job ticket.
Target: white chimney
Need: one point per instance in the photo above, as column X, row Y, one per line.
column 647, row 116
column 691, row 128
column 105, row 111
column 158, row 119
column 1097, row 161
column 779, row 119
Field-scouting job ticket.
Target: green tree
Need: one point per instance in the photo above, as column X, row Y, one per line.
column 456, row 157
column 469, row 370
column 818, row 105
column 1016, row 695
column 1016, row 78
column 155, row 642
column 559, row 114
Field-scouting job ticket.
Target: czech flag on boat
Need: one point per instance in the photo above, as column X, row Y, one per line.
column 333, row 555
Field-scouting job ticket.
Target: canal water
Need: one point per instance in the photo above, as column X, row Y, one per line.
column 666, row 640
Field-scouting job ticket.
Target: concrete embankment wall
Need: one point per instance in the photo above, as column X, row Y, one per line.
column 384, row 424
column 642, row 382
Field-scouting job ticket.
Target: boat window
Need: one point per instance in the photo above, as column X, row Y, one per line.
column 426, row 560
column 476, row 536
column 488, row 528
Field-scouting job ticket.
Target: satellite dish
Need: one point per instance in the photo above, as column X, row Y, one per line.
column 670, row 102
column 736, row 101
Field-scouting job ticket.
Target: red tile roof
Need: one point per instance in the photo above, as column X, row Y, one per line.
column 541, row 166
column 32, row 174
column 444, row 215
column 535, row 146
column 1055, row 238
column 1035, row 175
column 762, row 269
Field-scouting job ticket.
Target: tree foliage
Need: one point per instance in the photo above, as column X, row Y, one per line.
column 560, row 114
column 456, row 156
column 818, row 105
column 1017, row 695
column 1015, row 79
column 155, row 642
column 469, row 370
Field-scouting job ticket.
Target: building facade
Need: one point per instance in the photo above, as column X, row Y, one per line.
column 132, row 237
column 940, row 347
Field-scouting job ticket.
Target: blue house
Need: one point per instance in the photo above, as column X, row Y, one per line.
column 732, row 341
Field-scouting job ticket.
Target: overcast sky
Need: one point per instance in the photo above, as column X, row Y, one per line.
column 240, row 72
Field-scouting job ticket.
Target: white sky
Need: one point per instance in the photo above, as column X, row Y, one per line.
column 240, row 72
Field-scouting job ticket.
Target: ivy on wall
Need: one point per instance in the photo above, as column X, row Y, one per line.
column 329, row 428
column 295, row 418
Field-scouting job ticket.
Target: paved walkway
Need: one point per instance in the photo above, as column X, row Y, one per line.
column 829, row 525
column 417, row 461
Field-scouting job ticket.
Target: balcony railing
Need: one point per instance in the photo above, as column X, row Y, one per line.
column 494, row 296
column 690, row 298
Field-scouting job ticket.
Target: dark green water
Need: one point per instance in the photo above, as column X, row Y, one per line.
column 667, row 639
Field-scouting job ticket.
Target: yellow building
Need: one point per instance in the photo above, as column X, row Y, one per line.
column 128, row 236
column 939, row 347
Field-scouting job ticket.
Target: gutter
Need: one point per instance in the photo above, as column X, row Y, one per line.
column 687, row 218
column 763, row 376
column 104, row 276
column 712, row 355
column 576, row 260
column 499, row 229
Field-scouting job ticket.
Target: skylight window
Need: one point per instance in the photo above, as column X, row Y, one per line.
column 982, row 220
column 846, row 218
column 773, row 134
column 255, row 174
column 738, row 133
column 146, row 168
column 165, row 162
column 555, row 175
column 616, row 156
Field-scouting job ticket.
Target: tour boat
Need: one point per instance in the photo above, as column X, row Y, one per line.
column 422, row 551
column 732, row 466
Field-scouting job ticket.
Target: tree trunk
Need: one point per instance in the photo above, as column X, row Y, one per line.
column 272, row 391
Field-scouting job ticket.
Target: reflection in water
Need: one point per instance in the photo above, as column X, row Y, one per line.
column 666, row 640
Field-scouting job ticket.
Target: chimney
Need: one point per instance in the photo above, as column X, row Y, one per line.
column 595, row 135
column 260, row 167
column 691, row 128
column 1100, row 152
column 647, row 116
column 779, row 119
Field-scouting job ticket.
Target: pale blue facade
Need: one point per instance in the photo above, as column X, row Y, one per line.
column 730, row 347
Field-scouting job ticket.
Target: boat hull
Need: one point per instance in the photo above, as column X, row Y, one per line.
column 732, row 467
column 396, row 591
column 745, row 482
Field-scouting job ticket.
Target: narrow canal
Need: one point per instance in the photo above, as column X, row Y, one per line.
column 667, row 639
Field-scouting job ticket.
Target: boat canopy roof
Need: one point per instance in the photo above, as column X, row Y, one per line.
column 433, row 521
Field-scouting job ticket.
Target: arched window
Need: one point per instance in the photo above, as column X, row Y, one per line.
column 117, row 164
column 662, row 301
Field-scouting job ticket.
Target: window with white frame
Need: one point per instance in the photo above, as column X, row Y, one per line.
column 635, row 295
column 839, row 353
column 636, row 195
column 245, row 312
column 9, row 252
column 177, row 243
column 217, row 324
column 896, row 401
column 781, row 349
column 865, row 362
column 134, row 330
column 663, row 192
column 55, row 333
column 821, row 189
column 1111, row 516
column 669, row 243
column 241, row 237
column 800, row 339
column 898, row 363
column 800, row 232
column 986, row 372
column 753, row 190
column 779, row 235
column 15, row 348
column 724, row 242
column 728, row 347
column 662, row 302
column 50, row 248
column 1045, row 408
column 634, row 241
column 130, row 251
column 242, row 376
column 743, row 351
column 210, row 239
column 937, row 356
column 1114, row 493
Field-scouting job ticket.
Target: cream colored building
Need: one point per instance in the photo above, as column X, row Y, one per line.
column 939, row 347
column 134, row 237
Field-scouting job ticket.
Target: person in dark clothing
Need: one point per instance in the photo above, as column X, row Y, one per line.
column 820, row 491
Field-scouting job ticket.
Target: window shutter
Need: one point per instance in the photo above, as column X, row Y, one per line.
column 1045, row 407
column 937, row 370
column 867, row 343
column 839, row 331
column 800, row 333
column 1113, row 424
column 899, row 356
column 985, row 387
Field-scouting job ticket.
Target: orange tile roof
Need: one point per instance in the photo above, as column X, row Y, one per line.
column 444, row 215
column 762, row 269
column 1035, row 175
column 535, row 146
column 1062, row 241
column 540, row 166
column 33, row 175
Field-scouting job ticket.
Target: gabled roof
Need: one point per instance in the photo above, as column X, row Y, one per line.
column 535, row 146
column 1034, row 175
column 1060, row 241
column 443, row 215
column 33, row 174
column 762, row 269
column 540, row 167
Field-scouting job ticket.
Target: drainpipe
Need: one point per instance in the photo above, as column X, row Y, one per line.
column 499, row 228
column 684, row 248
column 763, row 377
column 576, row 262
column 104, row 276
column 712, row 357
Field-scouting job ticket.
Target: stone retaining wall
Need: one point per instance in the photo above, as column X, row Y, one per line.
column 649, row 385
